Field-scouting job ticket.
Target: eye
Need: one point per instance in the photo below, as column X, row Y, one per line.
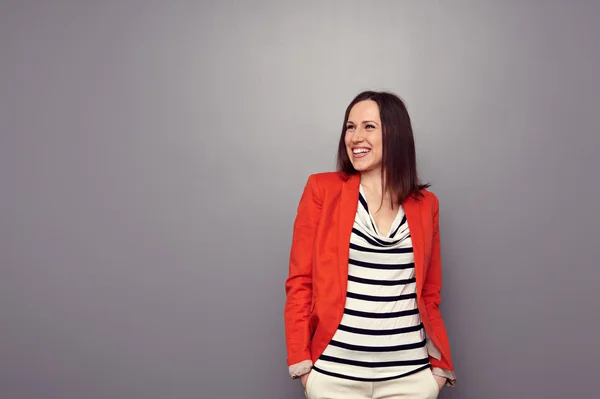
column 349, row 127
column 369, row 126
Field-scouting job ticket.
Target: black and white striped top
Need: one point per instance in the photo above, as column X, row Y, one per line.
column 381, row 336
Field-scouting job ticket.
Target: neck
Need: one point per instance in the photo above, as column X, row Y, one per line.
column 372, row 180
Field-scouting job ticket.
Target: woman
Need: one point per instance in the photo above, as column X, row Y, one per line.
column 362, row 312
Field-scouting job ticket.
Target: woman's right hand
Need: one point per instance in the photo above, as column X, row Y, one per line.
column 303, row 379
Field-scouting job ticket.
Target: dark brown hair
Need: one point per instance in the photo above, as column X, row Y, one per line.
column 399, row 161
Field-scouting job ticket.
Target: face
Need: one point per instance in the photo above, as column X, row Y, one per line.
column 364, row 139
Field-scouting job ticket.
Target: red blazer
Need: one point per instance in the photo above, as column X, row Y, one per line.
column 318, row 268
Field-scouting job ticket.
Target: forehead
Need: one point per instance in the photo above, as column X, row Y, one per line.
column 364, row 110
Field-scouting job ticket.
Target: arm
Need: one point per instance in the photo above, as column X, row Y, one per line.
column 432, row 288
column 298, row 285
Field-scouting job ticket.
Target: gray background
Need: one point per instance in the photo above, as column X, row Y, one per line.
column 152, row 155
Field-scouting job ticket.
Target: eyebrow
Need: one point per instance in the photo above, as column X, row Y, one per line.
column 364, row 122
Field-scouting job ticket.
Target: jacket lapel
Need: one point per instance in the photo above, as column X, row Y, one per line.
column 412, row 209
column 348, row 204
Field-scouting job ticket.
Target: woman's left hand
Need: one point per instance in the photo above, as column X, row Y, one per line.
column 440, row 380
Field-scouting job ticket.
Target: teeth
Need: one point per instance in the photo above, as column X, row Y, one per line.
column 360, row 150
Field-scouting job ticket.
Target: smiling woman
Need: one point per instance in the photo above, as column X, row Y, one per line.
column 380, row 122
column 380, row 332
column 363, row 136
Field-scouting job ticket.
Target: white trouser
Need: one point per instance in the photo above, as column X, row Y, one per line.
column 420, row 385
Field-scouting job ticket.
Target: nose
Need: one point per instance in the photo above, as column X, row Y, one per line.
column 358, row 136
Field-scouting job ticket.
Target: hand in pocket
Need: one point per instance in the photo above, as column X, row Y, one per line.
column 304, row 378
column 441, row 381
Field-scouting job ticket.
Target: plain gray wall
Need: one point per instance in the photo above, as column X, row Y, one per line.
column 152, row 155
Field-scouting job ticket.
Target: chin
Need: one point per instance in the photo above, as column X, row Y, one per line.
column 360, row 167
column 365, row 167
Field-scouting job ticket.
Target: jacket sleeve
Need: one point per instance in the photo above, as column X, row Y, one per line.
column 298, row 285
column 432, row 288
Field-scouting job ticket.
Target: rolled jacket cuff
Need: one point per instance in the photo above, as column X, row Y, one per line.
column 298, row 369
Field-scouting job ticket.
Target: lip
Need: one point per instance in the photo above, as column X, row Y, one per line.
column 361, row 155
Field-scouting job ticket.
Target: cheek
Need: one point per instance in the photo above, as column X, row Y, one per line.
column 378, row 145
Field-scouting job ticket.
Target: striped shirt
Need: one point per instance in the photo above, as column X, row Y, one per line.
column 380, row 336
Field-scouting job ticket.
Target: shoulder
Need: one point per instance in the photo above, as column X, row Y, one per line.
column 326, row 179
column 325, row 184
column 429, row 196
column 429, row 199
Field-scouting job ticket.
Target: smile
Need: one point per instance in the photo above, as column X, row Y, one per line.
column 360, row 152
